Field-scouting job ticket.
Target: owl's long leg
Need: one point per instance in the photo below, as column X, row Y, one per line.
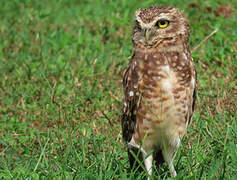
column 168, row 156
column 148, row 162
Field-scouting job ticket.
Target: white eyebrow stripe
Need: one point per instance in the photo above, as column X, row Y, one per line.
column 162, row 16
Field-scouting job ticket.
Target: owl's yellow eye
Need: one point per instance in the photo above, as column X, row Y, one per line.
column 162, row 23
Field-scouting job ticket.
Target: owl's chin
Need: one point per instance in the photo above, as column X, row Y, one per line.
column 148, row 45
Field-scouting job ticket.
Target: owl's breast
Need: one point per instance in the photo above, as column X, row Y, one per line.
column 165, row 103
column 159, row 94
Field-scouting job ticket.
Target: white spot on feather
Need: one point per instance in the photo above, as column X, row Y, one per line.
column 185, row 56
column 186, row 108
column 131, row 93
column 167, row 84
column 180, row 68
column 166, row 68
column 193, row 82
column 182, row 63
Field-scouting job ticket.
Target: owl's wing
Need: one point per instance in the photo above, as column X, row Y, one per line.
column 193, row 99
column 193, row 96
column 130, row 100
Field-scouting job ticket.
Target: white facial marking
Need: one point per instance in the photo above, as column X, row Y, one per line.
column 131, row 93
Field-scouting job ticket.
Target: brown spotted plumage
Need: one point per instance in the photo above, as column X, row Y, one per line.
column 159, row 86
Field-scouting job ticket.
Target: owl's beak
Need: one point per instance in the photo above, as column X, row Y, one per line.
column 147, row 35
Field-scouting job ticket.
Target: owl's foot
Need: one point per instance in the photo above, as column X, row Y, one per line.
column 173, row 172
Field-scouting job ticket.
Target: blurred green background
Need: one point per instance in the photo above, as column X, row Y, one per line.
column 61, row 64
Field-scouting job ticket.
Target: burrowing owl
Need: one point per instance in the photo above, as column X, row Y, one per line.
column 159, row 86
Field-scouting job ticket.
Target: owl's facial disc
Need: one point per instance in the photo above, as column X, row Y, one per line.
column 159, row 25
column 149, row 33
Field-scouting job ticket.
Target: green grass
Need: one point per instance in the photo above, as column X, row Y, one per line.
column 60, row 90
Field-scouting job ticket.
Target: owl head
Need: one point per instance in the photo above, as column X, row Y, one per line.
column 159, row 24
